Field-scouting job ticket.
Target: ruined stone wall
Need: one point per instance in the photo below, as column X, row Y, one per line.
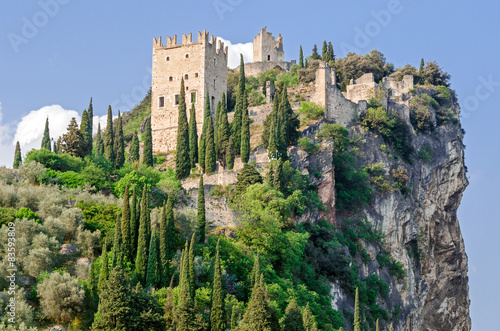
column 200, row 63
column 268, row 49
column 254, row 69
column 398, row 88
column 361, row 88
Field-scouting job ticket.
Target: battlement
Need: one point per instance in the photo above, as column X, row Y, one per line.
column 204, row 38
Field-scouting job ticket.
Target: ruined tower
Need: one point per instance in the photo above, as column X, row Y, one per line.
column 203, row 65
column 268, row 49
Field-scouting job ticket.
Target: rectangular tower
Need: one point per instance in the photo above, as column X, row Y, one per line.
column 266, row 48
column 203, row 65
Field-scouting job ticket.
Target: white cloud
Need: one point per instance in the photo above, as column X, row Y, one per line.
column 6, row 148
column 235, row 51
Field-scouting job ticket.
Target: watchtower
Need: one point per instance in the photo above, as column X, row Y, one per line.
column 266, row 48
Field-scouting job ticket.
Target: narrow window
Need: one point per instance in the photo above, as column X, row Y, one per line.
column 170, row 78
column 215, row 62
column 196, row 75
column 168, row 58
column 187, row 56
column 186, row 77
column 213, row 103
column 187, row 88
column 161, row 102
column 269, row 57
column 176, row 99
column 193, row 97
column 214, row 83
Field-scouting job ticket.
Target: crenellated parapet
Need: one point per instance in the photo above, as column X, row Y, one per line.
column 204, row 38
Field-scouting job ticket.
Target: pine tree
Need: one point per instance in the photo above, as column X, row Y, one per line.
column 217, row 310
column 245, row 132
column 46, row 136
column 293, row 318
column 104, row 272
column 200, row 217
column 238, row 109
column 142, row 251
column 119, row 144
column 86, row 134
column 193, row 137
column 357, row 321
column 258, row 316
column 117, row 243
column 315, row 55
column 230, row 154
column 72, row 139
column 192, row 279
column 301, row 58
column 134, row 223
column 17, row 157
column 324, row 52
column 153, row 271
column 109, row 139
column 210, row 157
column 134, row 148
column 308, row 318
column 147, row 154
column 202, row 148
column 182, row 156
column 330, row 53
column 184, row 313
column 125, row 224
column 90, row 114
column 99, row 143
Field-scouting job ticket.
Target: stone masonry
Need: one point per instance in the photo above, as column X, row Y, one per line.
column 203, row 65
column 268, row 49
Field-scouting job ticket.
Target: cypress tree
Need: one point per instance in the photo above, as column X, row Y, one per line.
column 147, row 154
column 230, row 154
column 192, row 281
column 153, row 271
column 306, row 63
column 91, row 281
column 238, row 109
column 293, row 318
column 255, row 274
column 245, row 132
column 184, row 313
column 109, row 145
column 104, row 272
column 55, row 149
column 119, row 144
column 301, row 58
column 217, row 310
column 86, row 135
column 17, row 156
column 218, row 112
column 278, row 175
column 125, row 224
column 90, row 114
column 200, row 217
column 46, row 136
column 72, row 139
column 234, row 318
column 421, row 72
column 202, row 148
column 171, row 230
column 117, row 243
column 315, row 55
column 134, row 148
column 210, row 158
column 330, row 53
column 193, row 137
column 308, row 318
column 324, row 52
column 258, row 315
column 224, row 132
column 164, row 256
column 182, row 156
column 134, row 223
column 99, row 144
column 357, row 321
column 142, row 251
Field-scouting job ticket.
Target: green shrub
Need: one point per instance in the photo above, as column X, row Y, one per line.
column 27, row 213
column 7, row 214
column 72, row 179
column 99, row 216
column 377, row 180
column 58, row 162
column 443, row 93
column 308, row 145
column 400, row 178
column 289, row 79
column 311, row 111
column 425, row 154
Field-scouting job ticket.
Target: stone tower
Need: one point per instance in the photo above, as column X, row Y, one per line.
column 203, row 65
column 268, row 49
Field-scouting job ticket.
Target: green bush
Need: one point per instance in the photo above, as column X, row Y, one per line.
column 27, row 213
column 7, row 214
column 58, row 162
column 311, row 111
column 425, row 154
column 308, row 145
column 72, row 179
column 99, row 216
column 289, row 79
column 443, row 93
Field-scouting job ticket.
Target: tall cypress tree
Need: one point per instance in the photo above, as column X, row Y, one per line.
column 104, row 272
column 255, row 273
column 258, row 315
column 202, row 148
column 192, row 279
column 421, row 72
column 200, row 217
column 331, row 54
column 278, row 175
column 55, row 148
column 245, row 132
column 293, row 318
column 119, row 144
column 153, row 271
column 238, row 109
column 217, row 310
column 324, row 51
column 171, row 230
column 86, row 135
column 218, row 112
column 164, row 258
column 184, row 313
column 46, row 136
column 91, row 281
column 125, row 224
column 134, row 147
column 147, row 154
column 193, row 137
column 224, row 132
column 182, row 156
column 230, row 154
column 17, row 156
column 301, row 58
column 109, row 141
column 117, row 243
column 142, row 251
column 210, row 158
column 99, row 143
column 357, row 321
column 315, row 55
column 134, row 223
column 90, row 113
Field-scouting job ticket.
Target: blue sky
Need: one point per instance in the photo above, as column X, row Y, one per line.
column 103, row 49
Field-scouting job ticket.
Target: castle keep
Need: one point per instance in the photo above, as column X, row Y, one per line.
column 203, row 65
column 266, row 48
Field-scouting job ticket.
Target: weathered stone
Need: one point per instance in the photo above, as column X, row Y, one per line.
column 83, row 261
column 68, row 249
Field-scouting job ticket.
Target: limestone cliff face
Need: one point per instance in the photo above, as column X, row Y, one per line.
column 422, row 232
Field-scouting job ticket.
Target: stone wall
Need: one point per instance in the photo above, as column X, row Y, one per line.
column 267, row 48
column 396, row 88
column 202, row 64
column 361, row 88
column 255, row 68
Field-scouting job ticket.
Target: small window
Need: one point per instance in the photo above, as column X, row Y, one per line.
column 176, row 99
column 215, row 62
column 193, row 97
column 186, row 77
column 196, row 75
column 170, row 78
column 167, row 58
column 214, row 83
column 187, row 88
column 187, row 56
column 269, row 57
column 161, row 102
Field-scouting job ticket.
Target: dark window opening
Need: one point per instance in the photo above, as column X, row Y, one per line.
column 177, row 99
column 196, row 75
column 187, row 88
column 161, row 102
column 269, row 57
column 186, row 76
column 214, row 62
column 187, row 56
column 168, row 58
column 170, row 78
column 213, row 103
column 214, row 83
column 193, row 97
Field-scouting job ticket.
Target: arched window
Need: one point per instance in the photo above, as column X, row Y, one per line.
column 170, row 78
column 167, row 58
column 187, row 56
